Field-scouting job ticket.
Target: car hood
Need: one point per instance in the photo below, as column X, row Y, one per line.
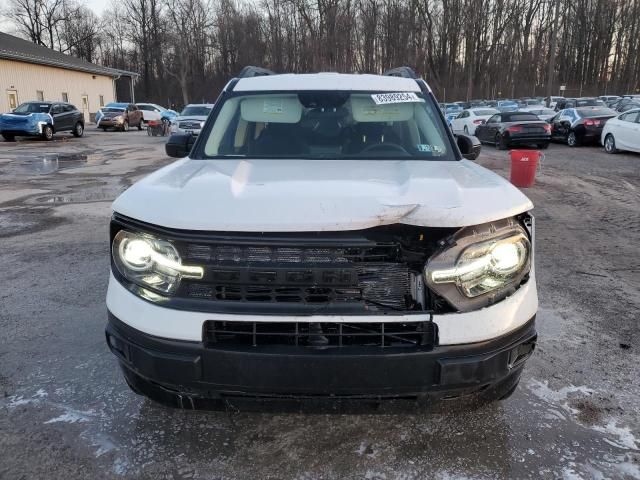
column 199, row 118
column 315, row 195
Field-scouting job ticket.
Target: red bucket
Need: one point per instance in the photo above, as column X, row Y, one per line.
column 524, row 164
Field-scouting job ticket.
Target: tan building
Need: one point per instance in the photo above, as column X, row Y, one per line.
column 33, row 72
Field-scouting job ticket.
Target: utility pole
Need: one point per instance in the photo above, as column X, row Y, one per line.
column 552, row 52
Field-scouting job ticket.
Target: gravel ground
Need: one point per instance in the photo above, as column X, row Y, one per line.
column 65, row 411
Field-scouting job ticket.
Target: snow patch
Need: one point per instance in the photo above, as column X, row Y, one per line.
column 70, row 416
column 626, row 439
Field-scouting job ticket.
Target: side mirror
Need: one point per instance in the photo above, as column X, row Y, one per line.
column 469, row 146
column 179, row 145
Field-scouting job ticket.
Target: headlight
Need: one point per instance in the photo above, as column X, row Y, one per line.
column 150, row 262
column 201, row 124
column 482, row 265
column 119, row 118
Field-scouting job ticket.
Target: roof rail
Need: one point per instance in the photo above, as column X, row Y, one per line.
column 404, row 72
column 251, row 71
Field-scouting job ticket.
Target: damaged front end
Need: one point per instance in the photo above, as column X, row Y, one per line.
column 392, row 269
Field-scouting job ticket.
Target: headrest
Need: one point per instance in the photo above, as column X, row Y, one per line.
column 271, row 109
column 364, row 109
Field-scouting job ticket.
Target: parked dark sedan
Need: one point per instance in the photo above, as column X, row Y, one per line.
column 514, row 128
column 576, row 126
column 41, row 119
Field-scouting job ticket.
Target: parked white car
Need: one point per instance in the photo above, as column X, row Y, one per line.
column 324, row 238
column 152, row 111
column 191, row 119
column 542, row 112
column 469, row 119
column 622, row 132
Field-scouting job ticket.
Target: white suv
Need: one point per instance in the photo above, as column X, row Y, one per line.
column 325, row 237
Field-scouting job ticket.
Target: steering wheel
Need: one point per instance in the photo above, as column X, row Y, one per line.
column 385, row 146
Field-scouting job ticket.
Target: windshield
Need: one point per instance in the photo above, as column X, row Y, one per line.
column 196, row 111
column 33, row 108
column 518, row 117
column 485, row 112
column 589, row 102
column 328, row 125
column 543, row 111
column 596, row 112
column 508, row 104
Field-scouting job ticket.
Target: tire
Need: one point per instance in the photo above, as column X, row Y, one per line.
column 140, row 125
column 125, row 126
column 78, row 130
column 8, row 137
column 47, row 132
column 104, row 129
column 543, row 146
column 501, row 143
column 572, row 140
column 610, row 144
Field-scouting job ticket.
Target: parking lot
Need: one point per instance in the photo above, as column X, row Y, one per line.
column 65, row 411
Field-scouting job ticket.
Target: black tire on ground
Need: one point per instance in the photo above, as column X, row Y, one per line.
column 47, row 132
column 610, row 144
column 8, row 137
column 501, row 143
column 125, row 126
column 104, row 129
column 543, row 146
column 140, row 125
column 78, row 130
column 573, row 140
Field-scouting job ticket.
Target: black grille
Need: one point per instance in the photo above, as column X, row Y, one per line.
column 290, row 255
column 320, row 335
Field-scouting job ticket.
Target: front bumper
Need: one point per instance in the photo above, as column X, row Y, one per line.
column 191, row 374
column 105, row 122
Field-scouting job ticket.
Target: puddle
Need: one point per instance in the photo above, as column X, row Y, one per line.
column 46, row 164
column 84, row 196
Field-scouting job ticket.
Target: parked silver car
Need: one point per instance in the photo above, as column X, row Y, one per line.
column 191, row 119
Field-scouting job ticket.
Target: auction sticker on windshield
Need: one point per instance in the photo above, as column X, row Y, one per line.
column 400, row 97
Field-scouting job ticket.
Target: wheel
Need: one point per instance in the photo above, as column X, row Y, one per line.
column 140, row 125
column 610, row 144
column 78, row 130
column 543, row 146
column 148, row 130
column 104, row 129
column 501, row 143
column 8, row 137
column 47, row 132
column 125, row 126
column 466, row 130
column 572, row 139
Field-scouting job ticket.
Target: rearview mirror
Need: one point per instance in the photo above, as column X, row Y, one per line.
column 179, row 145
column 469, row 146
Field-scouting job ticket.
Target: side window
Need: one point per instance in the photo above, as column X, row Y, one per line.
column 69, row 108
column 56, row 109
column 494, row 119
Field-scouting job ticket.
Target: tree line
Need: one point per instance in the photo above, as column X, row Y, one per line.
column 186, row 50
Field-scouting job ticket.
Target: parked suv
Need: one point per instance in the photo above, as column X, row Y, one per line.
column 325, row 237
column 41, row 119
column 120, row 116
